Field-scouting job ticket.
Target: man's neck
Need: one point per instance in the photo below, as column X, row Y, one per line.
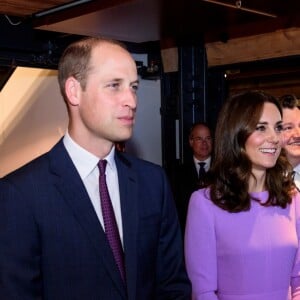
column 294, row 161
column 201, row 158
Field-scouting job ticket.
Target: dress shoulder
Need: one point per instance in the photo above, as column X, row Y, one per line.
column 201, row 198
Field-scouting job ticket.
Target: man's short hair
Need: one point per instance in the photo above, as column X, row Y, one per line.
column 289, row 101
column 198, row 124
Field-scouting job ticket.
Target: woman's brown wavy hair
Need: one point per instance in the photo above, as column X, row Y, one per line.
column 231, row 169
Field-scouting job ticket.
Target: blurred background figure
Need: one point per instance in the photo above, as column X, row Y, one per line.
column 291, row 132
column 200, row 140
column 192, row 175
column 241, row 238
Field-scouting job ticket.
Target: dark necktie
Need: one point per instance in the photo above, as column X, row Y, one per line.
column 202, row 171
column 110, row 224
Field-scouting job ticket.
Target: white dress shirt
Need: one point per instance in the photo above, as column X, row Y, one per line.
column 86, row 165
column 297, row 176
column 207, row 163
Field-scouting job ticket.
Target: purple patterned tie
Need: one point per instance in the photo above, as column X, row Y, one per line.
column 110, row 224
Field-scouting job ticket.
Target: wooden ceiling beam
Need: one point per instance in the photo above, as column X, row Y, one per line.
column 76, row 11
column 253, row 28
column 280, row 43
column 22, row 8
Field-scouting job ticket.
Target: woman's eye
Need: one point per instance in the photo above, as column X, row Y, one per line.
column 260, row 128
column 279, row 128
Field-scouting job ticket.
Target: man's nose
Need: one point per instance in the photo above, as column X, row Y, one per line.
column 130, row 98
column 297, row 131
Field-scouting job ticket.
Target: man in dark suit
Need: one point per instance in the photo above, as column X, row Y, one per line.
column 53, row 239
column 191, row 175
column 291, row 132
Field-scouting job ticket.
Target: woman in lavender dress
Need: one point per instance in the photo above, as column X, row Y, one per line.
column 242, row 232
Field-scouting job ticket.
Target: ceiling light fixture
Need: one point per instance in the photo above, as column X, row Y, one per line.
column 238, row 5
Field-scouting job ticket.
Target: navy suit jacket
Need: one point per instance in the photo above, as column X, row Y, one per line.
column 52, row 245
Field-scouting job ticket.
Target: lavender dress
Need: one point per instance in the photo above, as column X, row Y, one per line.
column 249, row 255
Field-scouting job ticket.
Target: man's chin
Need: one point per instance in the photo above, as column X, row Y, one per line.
column 124, row 137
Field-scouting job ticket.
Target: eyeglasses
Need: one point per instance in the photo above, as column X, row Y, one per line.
column 199, row 139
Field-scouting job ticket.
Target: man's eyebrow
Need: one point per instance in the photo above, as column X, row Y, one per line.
column 121, row 79
column 115, row 79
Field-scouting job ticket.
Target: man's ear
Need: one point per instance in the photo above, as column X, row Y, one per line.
column 73, row 91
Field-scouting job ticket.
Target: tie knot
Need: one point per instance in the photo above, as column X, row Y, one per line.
column 102, row 166
column 202, row 164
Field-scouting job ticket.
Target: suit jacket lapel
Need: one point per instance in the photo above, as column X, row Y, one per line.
column 129, row 206
column 69, row 184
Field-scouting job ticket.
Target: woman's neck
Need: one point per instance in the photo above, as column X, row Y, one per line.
column 257, row 182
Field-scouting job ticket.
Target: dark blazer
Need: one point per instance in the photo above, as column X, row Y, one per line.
column 52, row 245
column 184, row 183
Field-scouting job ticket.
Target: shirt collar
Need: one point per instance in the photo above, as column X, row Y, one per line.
column 84, row 161
column 207, row 161
column 297, row 169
